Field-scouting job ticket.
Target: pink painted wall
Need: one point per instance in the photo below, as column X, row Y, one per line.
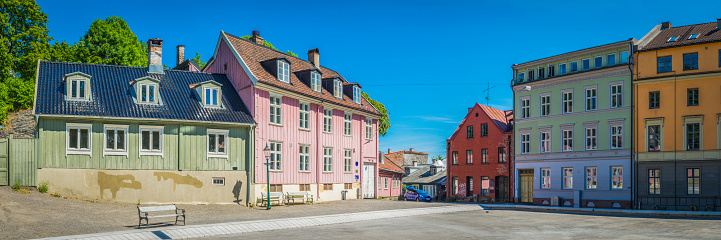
column 235, row 73
column 391, row 191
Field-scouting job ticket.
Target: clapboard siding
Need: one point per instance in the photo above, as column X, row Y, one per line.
column 23, row 161
column 236, row 74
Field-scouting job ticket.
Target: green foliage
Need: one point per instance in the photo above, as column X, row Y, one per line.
column 43, row 187
column 55, row 195
column 62, row 52
column 16, row 186
column 198, row 60
column 23, row 39
column 385, row 122
column 15, row 95
column 438, row 157
column 289, row 52
column 111, row 42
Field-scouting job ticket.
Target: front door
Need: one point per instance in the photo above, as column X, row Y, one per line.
column 369, row 177
column 502, row 191
column 526, row 190
column 3, row 162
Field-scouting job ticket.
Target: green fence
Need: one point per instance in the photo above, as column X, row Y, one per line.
column 18, row 161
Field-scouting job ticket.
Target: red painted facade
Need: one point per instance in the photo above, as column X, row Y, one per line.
column 489, row 178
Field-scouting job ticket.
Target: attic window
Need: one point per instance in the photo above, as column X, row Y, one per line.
column 211, row 96
column 78, row 89
column 694, row 36
column 356, row 94
column 147, row 92
column 283, row 71
column 337, row 89
column 315, row 81
column 673, row 39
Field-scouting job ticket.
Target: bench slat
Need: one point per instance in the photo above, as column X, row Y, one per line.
column 158, row 208
column 169, row 215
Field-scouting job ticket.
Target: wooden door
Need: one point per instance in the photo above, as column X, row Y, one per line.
column 4, row 174
column 369, row 184
column 502, row 191
column 526, row 190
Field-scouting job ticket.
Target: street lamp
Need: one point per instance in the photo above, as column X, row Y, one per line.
column 266, row 152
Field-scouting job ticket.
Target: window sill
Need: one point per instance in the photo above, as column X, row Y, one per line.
column 469, row 163
column 115, row 154
column 212, row 155
column 304, row 129
column 304, row 171
column 327, row 172
column 277, row 171
column 276, row 124
column 347, row 135
column 150, row 154
column 78, row 152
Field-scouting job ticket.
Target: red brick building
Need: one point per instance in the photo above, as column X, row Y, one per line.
column 479, row 155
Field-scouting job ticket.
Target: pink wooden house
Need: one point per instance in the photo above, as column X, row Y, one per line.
column 390, row 177
column 322, row 133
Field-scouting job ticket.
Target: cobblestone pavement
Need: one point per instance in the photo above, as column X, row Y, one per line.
column 36, row 215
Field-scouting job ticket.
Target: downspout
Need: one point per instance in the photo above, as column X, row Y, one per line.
column 250, row 163
column 319, row 149
column 512, row 181
column 633, row 126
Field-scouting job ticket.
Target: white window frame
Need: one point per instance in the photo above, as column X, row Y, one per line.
column 594, row 61
column 79, row 151
column 369, row 128
column 588, row 137
column 147, row 93
column 356, row 94
column 591, row 178
column 616, row 132
column 617, row 173
column 217, row 132
column 337, row 89
column 589, row 64
column 283, row 71
column 622, row 60
column 565, row 69
column 86, row 93
column 659, row 123
column 545, row 100
column 545, row 178
column 347, row 160
column 567, row 101
column 567, row 174
column 304, row 115
column 594, row 98
column 114, row 151
column 276, row 156
column 304, row 157
column 691, row 120
column 521, row 76
column 218, row 181
column 570, row 65
column 151, row 152
column 525, row 142
column 544, row 141
column 206, row 98
column 327, row 120
column 617, row 95
column 567, row 140
column 347, row 124
column 525, row 107
column 327, row 159
column 469, row 156
column 539, row 70
column 278, row 107
column 315, row 81
column 608, row 56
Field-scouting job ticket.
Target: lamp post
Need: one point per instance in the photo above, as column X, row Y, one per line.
column 266, row 152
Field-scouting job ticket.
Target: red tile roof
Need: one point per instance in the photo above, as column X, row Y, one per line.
column 390, row 165
column 708, row 32
column 253, row 54
column 500, row 117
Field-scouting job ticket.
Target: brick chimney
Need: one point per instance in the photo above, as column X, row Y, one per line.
column 389, row 150
column 155, row 55
column 718, row 23
column 181, row 54
column 665, row 25
column 314, row 57
column 256, row 37
column 411, row 150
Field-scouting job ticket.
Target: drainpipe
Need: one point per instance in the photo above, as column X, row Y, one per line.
column 633, row 126
column 319, row 154
column 250, row 164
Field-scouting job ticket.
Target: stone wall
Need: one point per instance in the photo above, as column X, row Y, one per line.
column 21, row 124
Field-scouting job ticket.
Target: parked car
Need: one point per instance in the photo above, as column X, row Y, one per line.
column 413, row 194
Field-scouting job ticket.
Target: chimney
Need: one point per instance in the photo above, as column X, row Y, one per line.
column 389, row 150
column 314, row 57
column 181, row 54
column 256, row 37
column 155, row 55
column 718, row 23
column 411, row 150
column 665, row 25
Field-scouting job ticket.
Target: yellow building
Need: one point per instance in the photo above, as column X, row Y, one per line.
column 677, row 98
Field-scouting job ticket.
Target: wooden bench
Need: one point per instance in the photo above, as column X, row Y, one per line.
column 274, row 197
column 302, row 196
column 143, row 213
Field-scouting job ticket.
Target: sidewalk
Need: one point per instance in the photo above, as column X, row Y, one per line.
column 209, row 230
column 655, row 213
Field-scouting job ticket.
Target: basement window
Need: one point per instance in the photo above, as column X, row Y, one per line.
column 218, row 181
column 673, row 39
column 693, row 36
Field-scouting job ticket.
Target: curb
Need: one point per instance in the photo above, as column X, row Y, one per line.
column 661, row 213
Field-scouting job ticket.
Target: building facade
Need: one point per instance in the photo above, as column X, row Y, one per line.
column 677, row 118
column 142, row 134
column 321, row 132
column 479, row 154
column 572, row 137
column 390, row 177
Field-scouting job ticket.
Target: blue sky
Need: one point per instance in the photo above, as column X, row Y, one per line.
column 427, row 61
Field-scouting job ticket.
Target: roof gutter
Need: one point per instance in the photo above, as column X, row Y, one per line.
column 145, row 119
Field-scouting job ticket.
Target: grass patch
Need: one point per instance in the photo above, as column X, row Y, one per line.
column 43, row 187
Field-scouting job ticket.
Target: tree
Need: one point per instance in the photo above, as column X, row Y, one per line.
column 111, row 42
column 289, row 52
column 62, row 52
column 198, row 60
column 385, row 122
column 23, row 39
column 438, row 157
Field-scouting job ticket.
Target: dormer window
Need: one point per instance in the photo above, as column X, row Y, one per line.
column 693, row 36
column 337, row 89
column 77, row 86
column 356, row 94
column 147, row 92
column 315, row 81
column 283, row 71
column 673, row 39
column 211, row 96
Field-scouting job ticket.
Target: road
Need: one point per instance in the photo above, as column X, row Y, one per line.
column 505, row 224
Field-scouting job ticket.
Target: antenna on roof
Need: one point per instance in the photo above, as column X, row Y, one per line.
column 488, row 93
